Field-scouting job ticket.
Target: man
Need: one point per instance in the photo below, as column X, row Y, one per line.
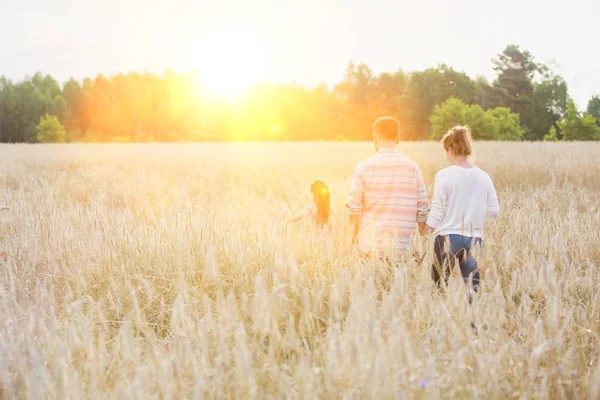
column 387, row 197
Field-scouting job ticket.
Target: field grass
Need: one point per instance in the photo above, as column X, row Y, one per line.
column 169, row 271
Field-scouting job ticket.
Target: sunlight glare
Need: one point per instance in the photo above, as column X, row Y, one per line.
column 229, row 62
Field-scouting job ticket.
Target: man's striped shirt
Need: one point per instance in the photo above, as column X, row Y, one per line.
column 389, row 195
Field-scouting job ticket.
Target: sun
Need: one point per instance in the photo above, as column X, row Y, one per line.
column 228, row 62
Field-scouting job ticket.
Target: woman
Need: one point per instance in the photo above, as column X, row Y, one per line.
column 464, row 196
column 319, row 211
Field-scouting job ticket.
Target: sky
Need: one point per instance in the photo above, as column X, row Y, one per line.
column 304, row 41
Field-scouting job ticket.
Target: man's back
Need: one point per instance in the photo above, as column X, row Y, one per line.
column 388, row 194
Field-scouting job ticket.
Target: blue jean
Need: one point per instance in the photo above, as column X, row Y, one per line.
column 451, row 248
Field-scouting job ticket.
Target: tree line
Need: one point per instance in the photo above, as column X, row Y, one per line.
column 525, row 101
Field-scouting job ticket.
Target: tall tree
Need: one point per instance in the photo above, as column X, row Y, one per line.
column 593, row 107
column 427, row 89
column 6, row 107
column 357, row 90
column 23, row 103
column 549, row 105
column 578, row 127
column 516, row 69
column 486, row 95
column 389, row 89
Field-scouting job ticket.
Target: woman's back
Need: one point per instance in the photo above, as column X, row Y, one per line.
column 463, row 198
column 464, row 195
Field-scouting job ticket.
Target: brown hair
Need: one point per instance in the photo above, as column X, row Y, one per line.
column 458, row 141
column 387, row 128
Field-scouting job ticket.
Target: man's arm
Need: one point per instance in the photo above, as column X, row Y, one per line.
column 422, row 204
column 354, row 222
column 356, row 202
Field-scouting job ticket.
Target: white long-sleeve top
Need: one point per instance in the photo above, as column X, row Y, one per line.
column 462, row 199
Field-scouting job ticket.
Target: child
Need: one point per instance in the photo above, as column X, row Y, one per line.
column 464, row 196
column 319, row 211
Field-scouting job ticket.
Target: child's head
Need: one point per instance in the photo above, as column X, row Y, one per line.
column 322, row 199
column 458, row 143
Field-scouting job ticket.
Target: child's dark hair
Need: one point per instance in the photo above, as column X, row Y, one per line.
column 322, row 199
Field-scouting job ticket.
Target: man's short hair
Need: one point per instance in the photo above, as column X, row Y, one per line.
column 387, row 128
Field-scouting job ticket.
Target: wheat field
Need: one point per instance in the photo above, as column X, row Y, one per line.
column 170, row 271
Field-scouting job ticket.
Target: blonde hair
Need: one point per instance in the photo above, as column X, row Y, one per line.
column 458, row 141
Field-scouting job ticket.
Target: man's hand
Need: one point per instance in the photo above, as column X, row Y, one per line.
column 354, row 221
column 424, row 229
column 420, row 243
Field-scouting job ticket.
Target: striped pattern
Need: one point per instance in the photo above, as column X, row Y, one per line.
column 389, row 195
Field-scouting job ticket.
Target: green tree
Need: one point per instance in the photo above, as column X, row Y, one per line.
column 358, row 94
column 455, row 112
column 578, row 127
column 445, row 116
column 549, row 105
column 425, row 90
column 59, row 107
column 389, row 89
column 50, row 130
column 7, row 104
column 593, row 107
column 23, row 103
column 514, row 83
column 74, row 114
column 486, row 95
column 504, row 124
column 495, row 124
column 551, row 135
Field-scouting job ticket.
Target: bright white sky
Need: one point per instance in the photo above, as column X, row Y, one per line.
column 307, row 41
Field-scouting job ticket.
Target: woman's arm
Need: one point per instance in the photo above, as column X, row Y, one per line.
column 438, row 205
column 493, row 208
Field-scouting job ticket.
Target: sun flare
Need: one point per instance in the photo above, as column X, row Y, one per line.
column 228, row 62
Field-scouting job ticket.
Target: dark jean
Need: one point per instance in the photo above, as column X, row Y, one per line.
column 448, row 250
